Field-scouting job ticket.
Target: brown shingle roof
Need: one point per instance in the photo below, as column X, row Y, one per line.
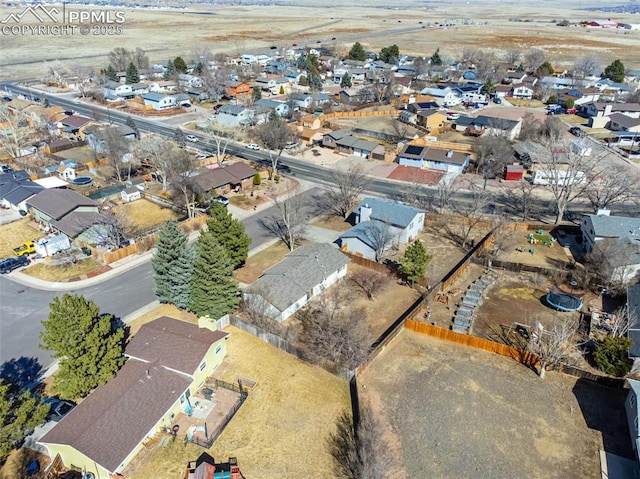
column 229, row 175
column 117, row 416
column 176, row 344
column 57, row 203
column 75, row 121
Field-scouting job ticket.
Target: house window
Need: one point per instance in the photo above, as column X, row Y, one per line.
column 219, row 348
column 203, row 365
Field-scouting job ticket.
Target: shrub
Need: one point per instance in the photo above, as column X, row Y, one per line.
column 257, row 179
column 611, row 356
column 276, row 178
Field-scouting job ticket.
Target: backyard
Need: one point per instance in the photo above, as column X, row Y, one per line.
column 144, row 215
column 274, row 434
column 454, row 412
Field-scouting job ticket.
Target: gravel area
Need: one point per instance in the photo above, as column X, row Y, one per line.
column 457, row 412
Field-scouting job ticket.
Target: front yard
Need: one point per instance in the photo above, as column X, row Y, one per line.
column 280, row 430
column 66, row 272
column 14, row 234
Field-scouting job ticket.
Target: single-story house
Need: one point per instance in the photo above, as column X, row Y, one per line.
column 235, row 115
column 130, row 194
column 73, row 124
column 345, row 142
column 16, row 189
column 502, row 91
column 621, row 122
column 380, row 223
column 633, row 310
column 357, row 96
column 490, row 124
column 599, row 113
column 330, row 139
column 159, row 101
column 221, row 180
column 65, row 211
column 168, row 360
column 96, row 135
column 600, row 226
column 189, row 81
column 304, row 273
column 434, row 158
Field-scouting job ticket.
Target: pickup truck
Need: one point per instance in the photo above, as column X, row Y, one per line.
column 26, row 248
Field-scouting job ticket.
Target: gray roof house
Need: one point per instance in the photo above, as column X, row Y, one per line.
column 235, row 115
column 304, row 273
column 598, row 227
column 379, row 223
column 490, row 124
column 16, row 190
column 434, row 158
column 64, row 211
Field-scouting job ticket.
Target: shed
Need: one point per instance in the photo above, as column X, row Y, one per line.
column 513, row 172
column 130, row 194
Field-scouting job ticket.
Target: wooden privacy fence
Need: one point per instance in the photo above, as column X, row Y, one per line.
column 359, row 114
column 443, row 145
column 471, row 341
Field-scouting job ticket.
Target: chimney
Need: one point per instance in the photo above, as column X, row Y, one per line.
column 365, row 213
column 449, row 153
column 148, row 374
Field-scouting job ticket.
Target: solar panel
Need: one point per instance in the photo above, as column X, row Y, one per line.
column 413, row 150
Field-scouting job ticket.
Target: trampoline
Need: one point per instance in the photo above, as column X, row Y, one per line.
column 564, row 302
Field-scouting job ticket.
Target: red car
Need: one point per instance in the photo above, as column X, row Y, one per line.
column 572, row 111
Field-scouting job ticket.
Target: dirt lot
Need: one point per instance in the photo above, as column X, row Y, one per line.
column 14, row 234
column 517, row 250
column 456, row 412
column 143, row 215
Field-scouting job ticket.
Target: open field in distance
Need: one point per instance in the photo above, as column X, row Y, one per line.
column 237, row 29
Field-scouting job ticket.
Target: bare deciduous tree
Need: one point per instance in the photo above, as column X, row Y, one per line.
column 362, row 452
column 119, row 58
column 612, row 263
column 586, row 65
column 521, row 199
column 112, row 229
column 221, row 138
column 184, row 181
column 370, row 282
column 470, row 54
column 257, row 310
column 15, row 133
column 469, row 215
column 274, row 135
column 618, row 326
column 140, row 59
column 345, row 193
column 157, row 152
column 531, row 127
column 556, row 345
column 513, row 55
column 289, row 223
column 488, row 67
column 445, row 192
column 116, row 150
column 534, row 58
column 494, row 153
column 334, row 331
column 608, row 189
column 378, row 237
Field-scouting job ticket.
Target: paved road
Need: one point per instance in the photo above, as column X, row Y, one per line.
column 22, row 308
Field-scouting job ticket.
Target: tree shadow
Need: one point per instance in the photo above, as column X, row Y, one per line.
column 603, row 411
column 23, row 372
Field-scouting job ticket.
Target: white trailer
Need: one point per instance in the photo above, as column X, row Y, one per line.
column 52, row 245
column 561, row 177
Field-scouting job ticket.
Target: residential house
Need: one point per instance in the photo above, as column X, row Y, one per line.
column 235, row 115
column 234, row 88
column 294, row 76
column 431, row 120
column 620, row 122
column 74, row 125
column 168, row 360
column 139, row 89
column 272, row 84
column 597, row 227
column 345, row 142
column 434, row 158
column 197, row 94
column 622, row 257
column 67, row 170
column 118, row 90
column 357, row 96
column 130, row 194
column 523, row 91
column 579, row 96
column 275, row 67
column 555, row 83
column 280, row 107
column 444, row 96
column 599, row 112
column 502, row 91
column 96, row 135
column 515, row 77
column 158, row 101
column 306, row 100
column 490, row 124
column 189, row 81
column 16, row 189
column 633, row 310
column 303, row 274
column 65, row 211
column 221, row 180
column 535, row 157
column 330, row 139
column 380, row 223
column 163, row 86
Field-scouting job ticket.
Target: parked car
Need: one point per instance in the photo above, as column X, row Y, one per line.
column 497, row 100
column 291, row 145
column 9, row 264
column 577, row 131
column 192, row 138
column 202, row 156
column 252, row 146
column 223, row 200
column 26, row 248
column 451, row 115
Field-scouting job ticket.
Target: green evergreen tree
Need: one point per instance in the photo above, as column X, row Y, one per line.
column 110, row 73
column 181, row 140
column 545, row 69
column 390, row 54
column 357, row 52
column 213, row 289
column 257, row 179
column 19, row 413
column 173, row 266
column 170, row 71
column 180, row 65
column 489, row 87
column 612, row 356
column 132, row 74
column 230, row 233
column 435, row 58
column 256, row 94
column 346, row 80
column 85, row 341
column 315, row 82
column 615, row 71
column 132, row 124
column 414, row 262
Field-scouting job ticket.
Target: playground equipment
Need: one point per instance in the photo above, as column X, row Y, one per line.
column 563, row 301
column 540, row 238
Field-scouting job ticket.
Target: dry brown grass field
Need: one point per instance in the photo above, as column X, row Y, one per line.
column 50, row 272
column 144, row 214
column 14, row 234
column 236, row 29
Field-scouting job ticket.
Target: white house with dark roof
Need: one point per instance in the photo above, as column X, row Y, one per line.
column 16, row 190
column 234, row 115
column 303, row 274
column 168, row 361
column 380, row 223
column 621, row 122
column 434, row 158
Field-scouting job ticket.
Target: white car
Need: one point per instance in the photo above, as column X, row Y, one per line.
column 452, row 115
column 252, row 146
column 192, row 138
column 202, row 156
column 291, row 145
